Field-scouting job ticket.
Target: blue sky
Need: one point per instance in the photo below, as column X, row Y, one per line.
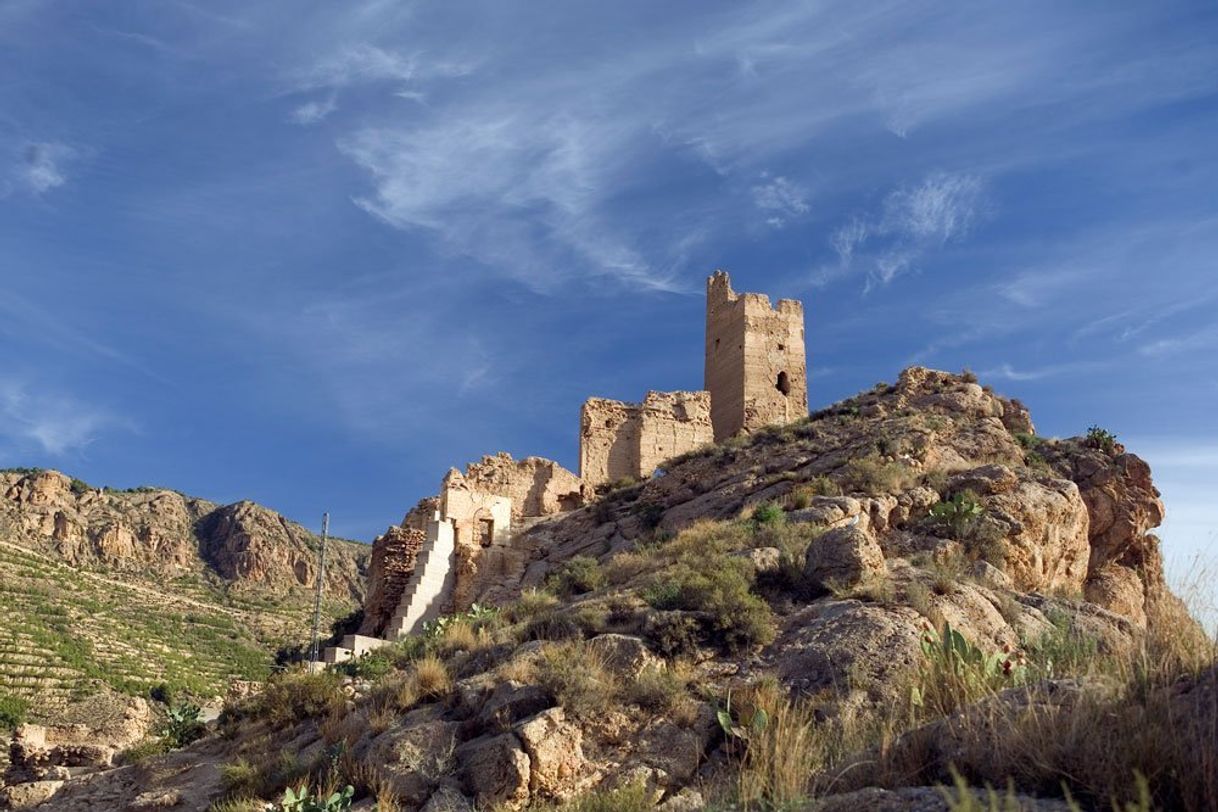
column 313, row 254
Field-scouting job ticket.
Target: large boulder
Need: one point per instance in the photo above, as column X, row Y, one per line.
column 495, row 771
column 623, row 653
column 557, row 768
column 1044, row 524
column 837, row 643
column 843, row 557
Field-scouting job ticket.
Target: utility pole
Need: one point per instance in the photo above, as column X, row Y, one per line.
column 314, row 653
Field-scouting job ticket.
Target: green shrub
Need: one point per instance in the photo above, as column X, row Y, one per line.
column 1026, row 439
column 768, row 513
column 634, row 797
column 12, row 710
column 141, row 752
column 530, row 604
column 673, row 634
column 578, row 678
column 1102, row 439
column 162, row 693
column 576, row 576
column 717, row 588
column 296, row 695
column 370, row 666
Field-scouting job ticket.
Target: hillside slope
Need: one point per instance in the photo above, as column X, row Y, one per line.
column 118, row 591
column 907, row 590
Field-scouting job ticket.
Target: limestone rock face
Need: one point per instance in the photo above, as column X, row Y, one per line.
column 246, row 541
column 1045, row 524
column 1124, row 506
column 157, row 532
column 1120, row 590
column 843, row 557
column 495, row 771
column 556, row 758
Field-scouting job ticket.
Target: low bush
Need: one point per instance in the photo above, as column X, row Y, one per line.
column 717, row 588
column 532, row 602
column 673, row 634
column 768, row 513
column 955, row 672
column 432, row 678
column 634, row 797
column 142, row 751
column 871, row 475
column 659, row 689
column 296, row 695
column 576, row 576
column 801, row 497
column 957, row 515
column 13, row 710
column 1102, row 439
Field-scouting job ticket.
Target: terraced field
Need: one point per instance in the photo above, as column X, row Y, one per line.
column 66, row 634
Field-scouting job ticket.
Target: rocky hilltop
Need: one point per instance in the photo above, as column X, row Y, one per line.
column 892, row 604
column 164, row 534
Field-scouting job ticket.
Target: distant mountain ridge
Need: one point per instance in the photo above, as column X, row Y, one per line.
column 107, row 592
column 163, row 533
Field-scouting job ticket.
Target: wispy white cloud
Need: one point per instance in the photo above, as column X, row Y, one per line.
column 54, row 423
column 914, row 220
column 779, row 199
column 314, row 111
column 1010, row 373
column 1202, row 339
column 942, row 207
column 39, row 167
column 488, row 181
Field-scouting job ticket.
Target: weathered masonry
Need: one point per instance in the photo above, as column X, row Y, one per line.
column 629, row 440
column 449, row 547
column 756, row 368
column 756, row 375
column 465, row 543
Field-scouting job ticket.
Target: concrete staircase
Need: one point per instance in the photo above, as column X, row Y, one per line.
column 429, row 586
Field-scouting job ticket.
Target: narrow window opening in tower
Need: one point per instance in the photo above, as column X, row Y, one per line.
column 716, row 344
column 781, row 347
column 784, row 383
column 486, row 532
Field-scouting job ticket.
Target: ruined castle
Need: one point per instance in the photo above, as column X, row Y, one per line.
column 455, row 547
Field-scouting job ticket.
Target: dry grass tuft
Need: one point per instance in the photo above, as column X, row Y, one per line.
column 431, row 677
column 578, row 677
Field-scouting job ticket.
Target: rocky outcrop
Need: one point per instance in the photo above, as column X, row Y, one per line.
column 152, row 531
column 1125, row 569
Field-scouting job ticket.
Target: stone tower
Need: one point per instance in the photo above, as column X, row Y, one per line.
column 756, row 369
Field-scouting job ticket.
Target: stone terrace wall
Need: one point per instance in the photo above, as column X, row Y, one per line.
column 618, row 440
column 536, row 486
column 756, row 365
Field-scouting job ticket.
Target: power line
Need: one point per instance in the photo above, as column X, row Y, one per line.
column 321, row 577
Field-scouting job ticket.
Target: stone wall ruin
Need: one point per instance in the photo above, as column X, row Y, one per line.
column 630, row 440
